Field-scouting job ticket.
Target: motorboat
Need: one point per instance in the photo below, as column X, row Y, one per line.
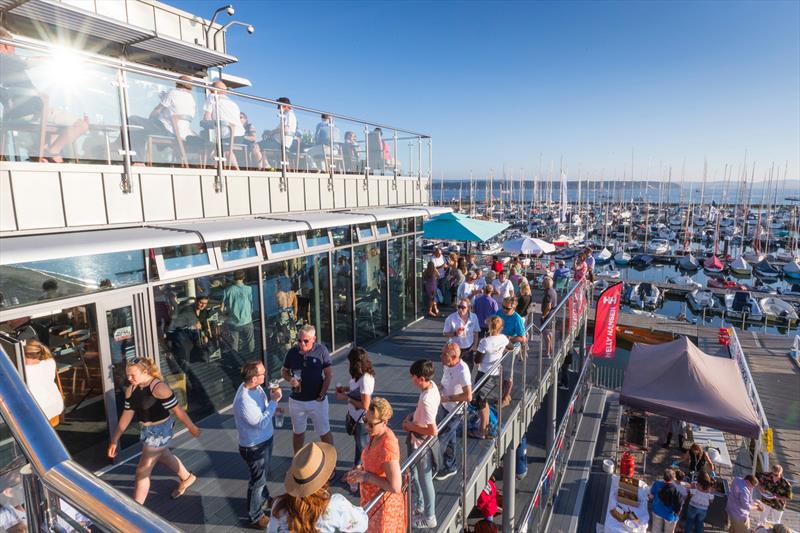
column 777, row 309
column 688, row 263
column 792, row 269
column 793, row 290
column 602, row 257
column 727, row 284
column 742, row 305
column 753, row 256
column 600, row 285
column 641, row 261
column 700, row 299
column 684, row 282
column 658, row 246
column 607, row 273
column 713, row 265
column 622, row 258
column 740, row 267
column 666, row 234
column 766, row 271
column 645, row 295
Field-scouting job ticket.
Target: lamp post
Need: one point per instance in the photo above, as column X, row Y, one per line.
column 249, row 27
column 227, row 9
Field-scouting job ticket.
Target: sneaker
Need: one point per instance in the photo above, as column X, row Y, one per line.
column 424, row 523
column 520, row 477
column 563, row 387
column 444, row 474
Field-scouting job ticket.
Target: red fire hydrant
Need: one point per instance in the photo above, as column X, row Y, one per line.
column 724, row 336
column 627, row 465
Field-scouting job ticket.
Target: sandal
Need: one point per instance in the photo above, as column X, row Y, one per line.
column 477, row 435
column 183, row 485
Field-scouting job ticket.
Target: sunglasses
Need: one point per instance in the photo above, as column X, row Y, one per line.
column 305, row 341
column 507, row 308
column 373, row 424
column 463, row 307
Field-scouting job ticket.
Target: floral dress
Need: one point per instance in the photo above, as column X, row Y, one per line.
column 390, row 515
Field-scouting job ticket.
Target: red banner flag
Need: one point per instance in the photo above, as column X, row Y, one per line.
column 605, row 322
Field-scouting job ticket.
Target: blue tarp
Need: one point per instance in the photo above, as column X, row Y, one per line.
column 457, row 227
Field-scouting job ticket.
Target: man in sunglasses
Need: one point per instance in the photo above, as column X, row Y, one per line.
column 514, row 329
column 462, row 327
column 308, row 369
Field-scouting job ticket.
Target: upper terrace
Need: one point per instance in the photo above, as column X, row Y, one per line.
column 87, row 139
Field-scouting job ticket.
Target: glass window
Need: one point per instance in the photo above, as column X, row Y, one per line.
column 238, row 249
column 341, row 235
column 417, row 226
column 370, row 296
column 343, row 296
column 25, row 283
column 296, row 293
column 185, row 256
column 399, row 226
column 399, row 315
column 317, row 237
column 383, row 230
column 421, row 303
column 365, row 232
column 207, row 328
column 282, row 243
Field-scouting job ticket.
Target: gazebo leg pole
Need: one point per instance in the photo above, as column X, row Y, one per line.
column 756, row 453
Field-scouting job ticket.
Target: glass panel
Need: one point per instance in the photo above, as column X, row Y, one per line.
column 399, row 226
column 341, row 235
column 350, row 149
column 160, row 107
column 185, row 256
column 79, row 102
column 383, row 230
column 410, row 285
column 370, row 279
column 25, row 283
column 382, row 152
column 315, row 136
column 296, row 293
column 420, row 266
column 317, row 237
column 283, row 242
column 75, row 401
column 399, row 273
column 256, row 143
column 122, row 342
column 408, row 153
column 238, row 249
column 365, row 231
column 425, row 163
column 207, row 328
column 343, row 296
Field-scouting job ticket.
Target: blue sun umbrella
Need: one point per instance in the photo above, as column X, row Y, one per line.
column 457, row 227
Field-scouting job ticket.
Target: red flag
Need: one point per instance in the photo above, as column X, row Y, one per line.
column 605, row 322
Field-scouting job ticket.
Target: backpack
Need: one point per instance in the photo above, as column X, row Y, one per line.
column 670, row 497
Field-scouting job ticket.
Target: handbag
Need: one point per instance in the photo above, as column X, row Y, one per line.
column 351, row 423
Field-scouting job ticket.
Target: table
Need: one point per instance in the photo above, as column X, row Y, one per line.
column 611, row 524
column 707, row 437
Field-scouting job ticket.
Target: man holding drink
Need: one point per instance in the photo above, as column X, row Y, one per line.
column 463, row 327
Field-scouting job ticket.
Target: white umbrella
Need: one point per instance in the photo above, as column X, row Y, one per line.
column 528, row 245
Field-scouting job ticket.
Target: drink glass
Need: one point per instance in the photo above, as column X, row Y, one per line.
column 278, row 419
column 297, row 374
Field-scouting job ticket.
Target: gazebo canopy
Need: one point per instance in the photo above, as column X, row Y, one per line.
column 458, row 227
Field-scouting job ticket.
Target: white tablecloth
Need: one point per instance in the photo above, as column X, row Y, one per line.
column 612, row 525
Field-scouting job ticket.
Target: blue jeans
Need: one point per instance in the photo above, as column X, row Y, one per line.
column 257, row 458
column 448, row 439
column 522, row 457
column 694, row 520
column 362, row 439
column 422, row 486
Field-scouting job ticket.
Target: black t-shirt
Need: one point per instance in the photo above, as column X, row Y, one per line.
column 550, row 299
column 311, row 366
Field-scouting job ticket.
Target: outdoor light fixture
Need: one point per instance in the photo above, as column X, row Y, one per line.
column 227, row 9
column 250, row 28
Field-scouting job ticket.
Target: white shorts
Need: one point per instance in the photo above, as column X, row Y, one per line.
column 317, row 411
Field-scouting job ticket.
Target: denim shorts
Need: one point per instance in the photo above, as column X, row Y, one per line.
column 157, row 435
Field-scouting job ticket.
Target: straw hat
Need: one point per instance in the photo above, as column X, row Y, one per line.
column 311, row 469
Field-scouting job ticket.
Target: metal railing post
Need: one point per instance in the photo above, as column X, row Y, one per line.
column 122, row 89
column 35, row 500
column 464, row 475
column 409, row 498
column 284, row 185
column 366, row 159
column 498, row 439
column 220, row 158
column 331, row 164
column 430, row 170
column 396, row 169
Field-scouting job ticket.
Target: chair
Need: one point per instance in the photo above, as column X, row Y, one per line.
column 175, row 140
column 11, row 125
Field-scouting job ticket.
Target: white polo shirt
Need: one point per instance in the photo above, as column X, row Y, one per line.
column 471, row 327
column 454, row 379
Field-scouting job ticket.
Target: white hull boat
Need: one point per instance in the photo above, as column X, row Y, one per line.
column 622, row 258
column 645, row 296
column 658, row 247
column 701, row 299
column 742, row 305
column 603, row 256
column 776, row 309
column 607, row 273
column 766, row 271
column 684, row 282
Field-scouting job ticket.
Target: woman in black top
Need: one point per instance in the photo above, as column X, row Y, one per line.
column 151, row 400
column 697, row 460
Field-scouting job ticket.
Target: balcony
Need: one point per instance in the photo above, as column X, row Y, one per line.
column 102, row 151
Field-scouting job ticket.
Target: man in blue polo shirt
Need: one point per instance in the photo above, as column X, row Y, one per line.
column 308, row 369
column 514, row 329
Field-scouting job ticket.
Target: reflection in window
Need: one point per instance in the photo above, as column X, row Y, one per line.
column 207, row 328
column 365, row 231
column 238, row 249
column 401, row 282
column 383, row 230
column 399, row 226
column 370, row 280
column 283, row 242
column 296, row 292
column 341, row 235
column 185, row 256
column 317, row 237
column 343, row 296
column 420, row 266
column 24, row 283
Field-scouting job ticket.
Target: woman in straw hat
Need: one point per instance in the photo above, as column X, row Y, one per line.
column 308, row 505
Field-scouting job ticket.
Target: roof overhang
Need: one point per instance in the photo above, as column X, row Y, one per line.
column 383, row 214
column 238, row 228
column 324, row 220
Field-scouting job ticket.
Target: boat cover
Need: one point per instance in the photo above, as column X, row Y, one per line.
column 679, row 380
column 713, row 263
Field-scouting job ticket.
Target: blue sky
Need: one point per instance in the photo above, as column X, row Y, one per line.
column 498, row 83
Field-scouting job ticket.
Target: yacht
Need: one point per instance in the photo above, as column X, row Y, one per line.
column 622, row 258
column 641, row 261
column 741, row 304
column 602, row 257
column 608, row 273
column 776, row 309
column 713, row 265
column 658, row 247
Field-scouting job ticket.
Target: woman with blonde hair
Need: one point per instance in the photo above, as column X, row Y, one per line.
column 490, row 350
column 380, row 471
column 152, row 402
column 41, row 376
column 309, row 506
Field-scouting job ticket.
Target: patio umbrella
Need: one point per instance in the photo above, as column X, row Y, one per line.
column 528, row 245
column 457, row 227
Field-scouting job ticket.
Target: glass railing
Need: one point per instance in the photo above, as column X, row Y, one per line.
column 525, row 375
column 58, row 105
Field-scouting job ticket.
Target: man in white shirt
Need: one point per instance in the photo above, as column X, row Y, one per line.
column 463, row 328
column 228, row 110
column 503, row 288
column 421, row 424
column 439, row 260
column 456, row 387
column 469, row 288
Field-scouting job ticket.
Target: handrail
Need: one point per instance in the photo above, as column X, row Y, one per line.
column 412, row 459
column 52, row 464
column 562, row 301
column 738, row 356
column 141, row 69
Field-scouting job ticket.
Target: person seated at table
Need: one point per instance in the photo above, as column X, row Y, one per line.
column 175, row 110
column 23, row 102
column 271, row 140
column 230, row 121
column 324, row 132
column 250, row 139
column 380, row 156
column 697, row 460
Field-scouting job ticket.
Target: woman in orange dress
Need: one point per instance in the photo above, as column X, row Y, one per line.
column 380, row 471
